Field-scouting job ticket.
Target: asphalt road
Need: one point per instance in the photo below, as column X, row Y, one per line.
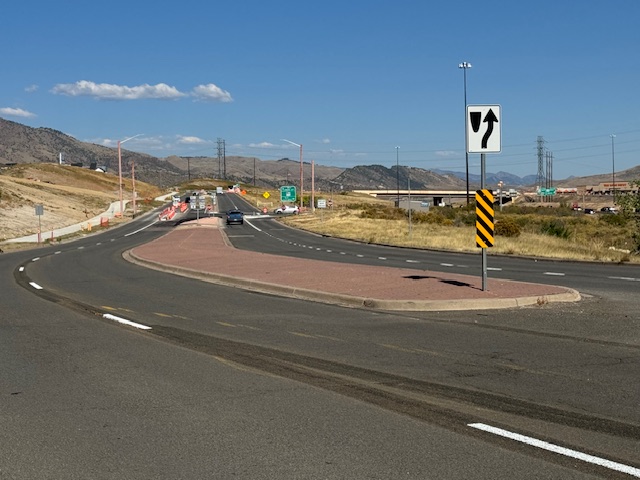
column 237, row 384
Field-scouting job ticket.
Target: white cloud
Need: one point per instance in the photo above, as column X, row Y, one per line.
column 16, row 112
column 211, row 93
column 262, row 145
column 190, row 140
column 446, row 153
column 325, row 141
column 31, row 88
column 106, row 91
column 336, row 151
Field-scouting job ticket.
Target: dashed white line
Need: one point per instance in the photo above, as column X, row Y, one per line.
column 21, row 269
column 124, row 321
column 494, row 269
column 58, row 252
column 556, row 274
column 446, row 265
column 35, row 259
column 534, row 442
column 35, row 285
column 382, row 258
column 413, row 261
column 360, row 256
column 140, row 229
column 627, row 279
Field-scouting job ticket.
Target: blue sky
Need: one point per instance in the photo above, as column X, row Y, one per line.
column 350, row 80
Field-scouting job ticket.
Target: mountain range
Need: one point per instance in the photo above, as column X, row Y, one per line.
column 22, row 144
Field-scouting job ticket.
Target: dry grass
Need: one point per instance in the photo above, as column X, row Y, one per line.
column 346, row 223
column 68, row 194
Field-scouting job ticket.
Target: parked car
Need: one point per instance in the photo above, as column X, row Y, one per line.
column 288, row 209
column 235, row 216
column 609, row 210
column 589, row 211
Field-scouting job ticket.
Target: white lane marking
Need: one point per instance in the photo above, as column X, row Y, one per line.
column 21, row 269
column 557, row 274
column 80, row 248
column 382, row 258
column 141, row 229
column 58, row 252
column 125, row 321
column 534, row 442
column 413, row 261
column 98, row 244
column 628, row 279
column 446, row 264
column 253, row 226
column 35, row 285
column 343, row 253
column 495, row 269
column 360, row 256
column 329, row 251
column 35, row 259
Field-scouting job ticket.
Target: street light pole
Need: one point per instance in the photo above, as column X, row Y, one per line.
column 398, row 175
column 613, row 168
column 120, row 169
column 301, row 170
column 464, row 66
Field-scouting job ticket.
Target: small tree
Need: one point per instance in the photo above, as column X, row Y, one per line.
column 630, row 205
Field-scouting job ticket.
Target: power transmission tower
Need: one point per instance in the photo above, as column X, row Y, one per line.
column 219, row 157
column 541, row 178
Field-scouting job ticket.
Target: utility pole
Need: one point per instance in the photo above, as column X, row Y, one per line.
column 224, row 157
column 541, row 178
column 549, row 156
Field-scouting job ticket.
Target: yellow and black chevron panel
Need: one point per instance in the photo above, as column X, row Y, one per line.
column 484, row 218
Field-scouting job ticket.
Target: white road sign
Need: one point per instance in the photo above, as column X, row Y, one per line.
column 484, row 129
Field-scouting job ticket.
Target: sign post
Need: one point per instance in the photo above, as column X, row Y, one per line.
column 484, row 135
column 39, row 213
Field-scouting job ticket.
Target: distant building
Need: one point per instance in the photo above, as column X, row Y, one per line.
column 607, row 188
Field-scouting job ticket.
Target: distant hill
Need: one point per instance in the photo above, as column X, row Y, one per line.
column 381, row 177
column 510, row 180
column 22, row 144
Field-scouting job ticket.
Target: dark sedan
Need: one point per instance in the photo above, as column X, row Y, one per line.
column 235, row 216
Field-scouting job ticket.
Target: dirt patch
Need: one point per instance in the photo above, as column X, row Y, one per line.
column 68, row 195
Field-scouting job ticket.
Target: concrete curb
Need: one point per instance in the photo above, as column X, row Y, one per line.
column 352, row 301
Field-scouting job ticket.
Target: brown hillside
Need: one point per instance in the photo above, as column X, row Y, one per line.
column 68, row 194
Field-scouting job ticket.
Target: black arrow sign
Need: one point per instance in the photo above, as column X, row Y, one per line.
column 490, row 119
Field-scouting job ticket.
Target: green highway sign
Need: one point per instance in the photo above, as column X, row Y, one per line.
column 547, row 191
column 288, row 194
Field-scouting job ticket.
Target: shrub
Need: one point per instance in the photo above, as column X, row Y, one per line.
column 555, row 228
column 507, row 228
column 616, row 219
